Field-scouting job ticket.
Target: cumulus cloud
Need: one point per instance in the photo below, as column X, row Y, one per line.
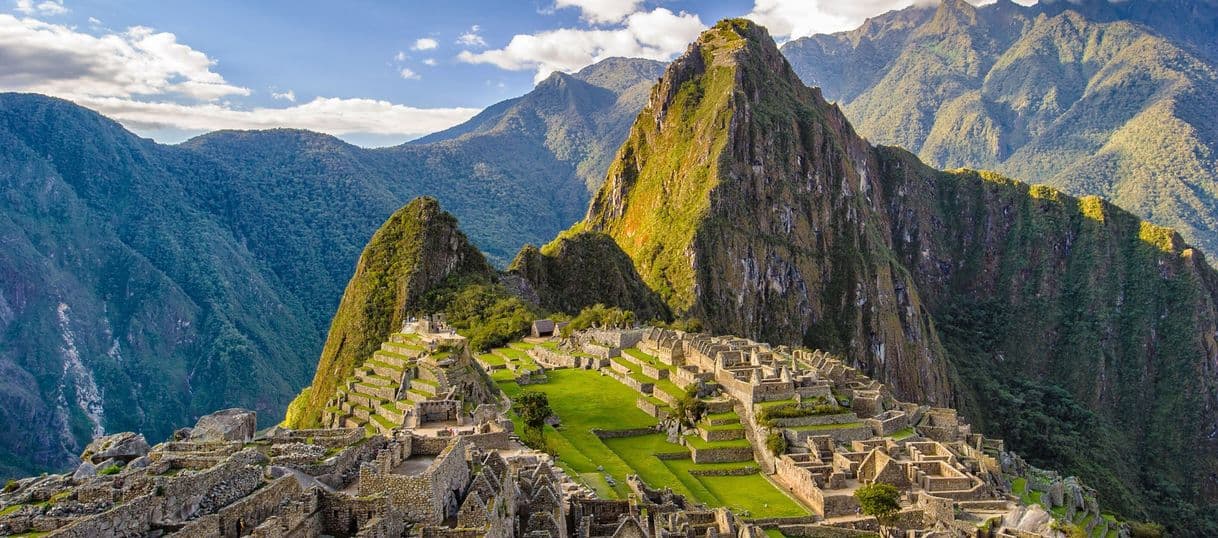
column 471, row 38
column 431, row 62
column 408, row 74
column 602, row 11
column 151, row 83
column 46, row 7
column 326, row 115
column 800, row 18
column 50, row 58
column 424, row 43
column 659, row 34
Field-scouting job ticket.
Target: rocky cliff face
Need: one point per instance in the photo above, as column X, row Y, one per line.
column 745, row 199
column 416, row 250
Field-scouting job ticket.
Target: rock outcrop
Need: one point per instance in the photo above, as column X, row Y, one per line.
column 226, row 425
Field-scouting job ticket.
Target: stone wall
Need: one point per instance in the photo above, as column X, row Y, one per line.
column 237, row 519
column 428, row 497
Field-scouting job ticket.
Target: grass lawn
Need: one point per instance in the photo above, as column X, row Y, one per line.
column 584, row 400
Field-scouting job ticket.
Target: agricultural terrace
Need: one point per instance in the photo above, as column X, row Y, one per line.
column 586, row 400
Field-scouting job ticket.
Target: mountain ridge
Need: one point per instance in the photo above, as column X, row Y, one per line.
column 1047, row 318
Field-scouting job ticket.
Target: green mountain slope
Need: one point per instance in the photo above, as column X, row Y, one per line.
column 1115, row 99
column 414, row 252
column 745, row 199
column 176, row 280
column 126, row 302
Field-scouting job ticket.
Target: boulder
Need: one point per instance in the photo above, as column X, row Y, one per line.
column 228, row 425
column 86, row 470
column 181, row 434
column 123, row 447
column 139, row 463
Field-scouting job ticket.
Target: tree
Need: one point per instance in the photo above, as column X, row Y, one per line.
column 880, row 500
column 533, row 409
column 690, row 408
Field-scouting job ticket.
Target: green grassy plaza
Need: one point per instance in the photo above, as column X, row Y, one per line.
column 585, row 400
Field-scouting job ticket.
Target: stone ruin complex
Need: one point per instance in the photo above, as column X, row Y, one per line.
column 449, row 464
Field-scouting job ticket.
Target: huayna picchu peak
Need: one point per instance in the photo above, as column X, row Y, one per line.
column 749, row 203
column 764, row 325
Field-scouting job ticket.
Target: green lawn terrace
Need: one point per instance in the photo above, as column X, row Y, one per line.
column 603, row 438
column 412, row 367
column 511, row 363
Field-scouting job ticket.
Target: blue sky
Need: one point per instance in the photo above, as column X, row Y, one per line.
column 371, row 72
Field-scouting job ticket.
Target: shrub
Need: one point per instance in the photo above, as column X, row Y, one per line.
column 110, row 469
column 1145, row 529
column 777, row 443
column 10, row 486
column 599, row 315
column 1069, row 529
column 689, row 408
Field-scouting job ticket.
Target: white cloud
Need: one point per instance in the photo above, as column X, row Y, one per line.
column 400, row 56
column 800, row 18
column 659, row 34
column 150, row 83
column 424, row 43
column 50, row 58
column 602, row 11
column 408, row 74
column 326, row 115
column 431, row 62
column 46, row 7
column 471, row 38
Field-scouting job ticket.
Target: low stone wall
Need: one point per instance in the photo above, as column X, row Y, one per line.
column 823, row 531
column 614, row 434
column 134, row 518
column 721, row 455
column 645, row 388
column 428, row 446
column 650, row 408
column 652, row 371
column 815, row 420
column 841, row 435
column 738, row 471
column 711, row 435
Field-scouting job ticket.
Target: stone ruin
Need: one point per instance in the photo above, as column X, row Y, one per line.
column 449, row 469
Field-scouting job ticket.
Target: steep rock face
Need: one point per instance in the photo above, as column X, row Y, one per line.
column 416, row 250
column 579, row 270
column 745, row 200
column 1094, row 97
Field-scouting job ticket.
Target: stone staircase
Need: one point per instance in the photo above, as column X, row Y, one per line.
column 383, row 390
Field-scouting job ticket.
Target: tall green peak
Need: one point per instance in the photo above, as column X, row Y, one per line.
column 417, row 250
column 746, row 200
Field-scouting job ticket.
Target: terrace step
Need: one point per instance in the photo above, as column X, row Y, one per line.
column 396, row 360
column 409, row 350
column 384, row 369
